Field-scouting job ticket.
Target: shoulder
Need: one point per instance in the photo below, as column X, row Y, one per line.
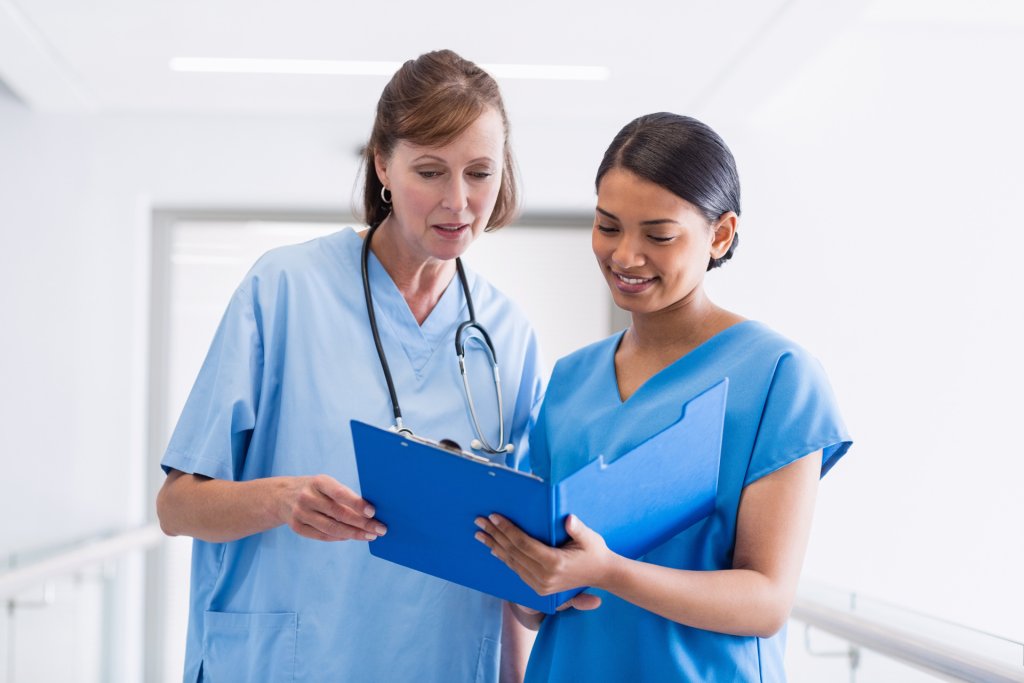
column 755, row 332
column 791, row 381
column 585, row 359
column 762, row 345
column 793, row 408
column 491, row 302
column 296, row 262
column 297, row 258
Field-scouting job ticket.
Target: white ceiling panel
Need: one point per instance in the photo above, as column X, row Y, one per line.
column 661, row 55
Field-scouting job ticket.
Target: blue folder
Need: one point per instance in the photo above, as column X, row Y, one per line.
column 429, row 496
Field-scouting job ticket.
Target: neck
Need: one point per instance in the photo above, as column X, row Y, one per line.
column 421, row 279
column 677, row 329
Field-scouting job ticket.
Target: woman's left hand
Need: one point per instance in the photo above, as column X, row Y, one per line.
column 583, row 561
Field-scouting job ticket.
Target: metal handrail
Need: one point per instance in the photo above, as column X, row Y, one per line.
column 14, row 581
column 903, row 645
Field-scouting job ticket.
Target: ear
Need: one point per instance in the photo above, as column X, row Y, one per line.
column 724, row 230
column 380, row 165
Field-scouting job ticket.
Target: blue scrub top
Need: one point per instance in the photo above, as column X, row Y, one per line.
column 292, row 362
column 779, row 408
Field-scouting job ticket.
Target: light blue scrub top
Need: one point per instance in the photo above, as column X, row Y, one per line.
column 292, row 362
column 779, row 408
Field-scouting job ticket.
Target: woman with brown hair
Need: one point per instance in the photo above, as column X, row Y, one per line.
column 261, row 470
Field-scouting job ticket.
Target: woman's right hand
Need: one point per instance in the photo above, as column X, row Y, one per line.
column 321, row 508
column 219, row 511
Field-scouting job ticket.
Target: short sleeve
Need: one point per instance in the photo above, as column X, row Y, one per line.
column 213, row 432
column 800, row 416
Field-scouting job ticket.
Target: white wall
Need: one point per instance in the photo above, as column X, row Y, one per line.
column 76, row 196
column 884, row 231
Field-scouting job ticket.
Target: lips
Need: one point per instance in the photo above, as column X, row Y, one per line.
column 632, row 284
column 450, row 231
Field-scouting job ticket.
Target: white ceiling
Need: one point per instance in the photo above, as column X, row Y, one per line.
column 113, row 55
column 793, row 65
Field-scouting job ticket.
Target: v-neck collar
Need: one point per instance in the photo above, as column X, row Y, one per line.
column 670, row 370
column 394, row 317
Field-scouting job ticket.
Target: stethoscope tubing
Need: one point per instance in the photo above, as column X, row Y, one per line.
column 480, row 443
column 399, row 427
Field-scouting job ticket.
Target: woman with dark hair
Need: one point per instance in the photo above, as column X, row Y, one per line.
column 712, row 602
column 261, row 470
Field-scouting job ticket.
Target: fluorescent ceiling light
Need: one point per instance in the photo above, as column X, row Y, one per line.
column 333, row 67
column 284, row 66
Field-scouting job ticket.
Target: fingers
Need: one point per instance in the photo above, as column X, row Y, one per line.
column 326, row 510
column 524, row 609
column 583, row 602
column 575, row 527
column 313, row 524
column 342, row 495
column 309, row 532
column 538, row 565
column 511, row 544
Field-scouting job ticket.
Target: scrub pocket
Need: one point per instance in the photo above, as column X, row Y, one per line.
column 487, row 664
column 243, row 647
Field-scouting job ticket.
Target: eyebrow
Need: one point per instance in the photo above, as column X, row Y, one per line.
column 656, row 221
column 432, row 157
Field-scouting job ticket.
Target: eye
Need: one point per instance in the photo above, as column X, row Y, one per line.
column 429, row 174
column 606, row 229
column 480, row 175
column 660, row 240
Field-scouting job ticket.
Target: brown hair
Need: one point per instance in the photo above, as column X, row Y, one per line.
column 429, row 102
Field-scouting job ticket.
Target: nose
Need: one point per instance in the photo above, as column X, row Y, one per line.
column 456, row 194
column 628, row 252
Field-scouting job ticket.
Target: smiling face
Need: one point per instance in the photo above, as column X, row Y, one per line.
column 653, row 246
column 442, row 197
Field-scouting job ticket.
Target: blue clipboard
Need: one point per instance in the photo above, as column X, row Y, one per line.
column 428, row 496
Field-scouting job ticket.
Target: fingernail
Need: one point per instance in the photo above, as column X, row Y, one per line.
column 494, row 519
column 479, row 536
column 370, row 537
column 380, row 529
column 369, row 511
column 479, row 522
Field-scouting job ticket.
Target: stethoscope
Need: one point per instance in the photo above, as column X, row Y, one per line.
column 479, row 443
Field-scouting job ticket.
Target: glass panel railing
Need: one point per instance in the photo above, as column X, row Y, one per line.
column 55, row 632
column 72, row 613
column 813, row 656
column 859, row 634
